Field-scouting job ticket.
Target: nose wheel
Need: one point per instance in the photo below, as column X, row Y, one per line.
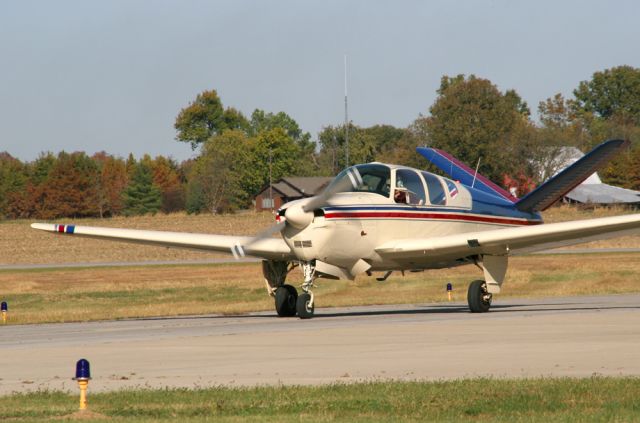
column 304, row 305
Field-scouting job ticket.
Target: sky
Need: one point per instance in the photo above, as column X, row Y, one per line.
column 112, row 75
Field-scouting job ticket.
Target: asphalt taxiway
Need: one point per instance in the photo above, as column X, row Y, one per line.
column 576, row 336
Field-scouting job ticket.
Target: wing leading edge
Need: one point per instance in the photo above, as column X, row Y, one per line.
column 268, row 248
column 519, row 240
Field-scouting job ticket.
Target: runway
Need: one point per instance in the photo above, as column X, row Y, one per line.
column 576, row 336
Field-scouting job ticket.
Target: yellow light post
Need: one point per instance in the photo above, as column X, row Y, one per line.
column 449, row 290
column 83, row 375
column 4, row 308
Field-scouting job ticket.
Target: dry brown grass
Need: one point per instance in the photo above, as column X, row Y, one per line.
column 564, row 213
column 19, row 244
column 112, row 293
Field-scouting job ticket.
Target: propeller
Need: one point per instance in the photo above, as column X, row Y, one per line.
column 300, row 214
column 352, row 180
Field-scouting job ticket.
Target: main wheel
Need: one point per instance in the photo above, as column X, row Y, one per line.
column 286, row 297
column 478, row 298
column 302, row 306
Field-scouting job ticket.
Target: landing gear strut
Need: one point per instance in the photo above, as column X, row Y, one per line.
column 478, row 298
column 304, row 304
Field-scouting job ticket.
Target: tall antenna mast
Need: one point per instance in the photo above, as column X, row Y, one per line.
column 346, row 115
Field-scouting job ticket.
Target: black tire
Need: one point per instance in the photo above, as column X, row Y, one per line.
column 286, row 300
column 302, row 306
column 476, row 297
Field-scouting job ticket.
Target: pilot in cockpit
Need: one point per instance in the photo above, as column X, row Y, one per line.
column 400, row 194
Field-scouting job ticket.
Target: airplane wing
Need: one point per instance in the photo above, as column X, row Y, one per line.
column 239, row 246
column 518, row 240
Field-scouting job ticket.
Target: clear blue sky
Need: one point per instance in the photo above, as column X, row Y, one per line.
column 112, row 75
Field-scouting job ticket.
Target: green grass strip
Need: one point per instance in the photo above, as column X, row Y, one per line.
column 599, row 399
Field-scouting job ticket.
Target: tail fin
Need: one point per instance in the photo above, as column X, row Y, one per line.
column 552, row 190
column 463, row 173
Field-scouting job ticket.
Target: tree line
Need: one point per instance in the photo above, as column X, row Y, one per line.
column 471, row 118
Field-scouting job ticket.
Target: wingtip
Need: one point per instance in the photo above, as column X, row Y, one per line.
column 43, row 226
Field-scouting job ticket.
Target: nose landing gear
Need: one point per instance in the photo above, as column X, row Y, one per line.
column 304, row 304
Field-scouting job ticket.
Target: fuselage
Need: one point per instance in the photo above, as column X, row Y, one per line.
column 394, row 203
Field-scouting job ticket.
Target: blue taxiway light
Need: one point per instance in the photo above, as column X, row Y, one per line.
column 83, row 370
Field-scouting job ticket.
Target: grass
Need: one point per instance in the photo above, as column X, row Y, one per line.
column 82, row 294
column 20, row 244
column 477, row 400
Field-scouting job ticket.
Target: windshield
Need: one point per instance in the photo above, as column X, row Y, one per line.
column 376, row 178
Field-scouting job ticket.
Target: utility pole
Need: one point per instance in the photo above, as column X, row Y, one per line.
column 346, row 116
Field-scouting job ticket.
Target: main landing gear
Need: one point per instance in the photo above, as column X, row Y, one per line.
column 478, row 297
column 289, row 303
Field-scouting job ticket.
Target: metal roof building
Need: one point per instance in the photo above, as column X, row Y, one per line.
column 593, row 191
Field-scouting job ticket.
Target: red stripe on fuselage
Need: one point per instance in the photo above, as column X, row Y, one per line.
column 434, row 216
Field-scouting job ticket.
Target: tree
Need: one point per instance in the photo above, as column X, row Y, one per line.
column 13, row 181
column 472, row 120
column 273, row 146
column 167, row 178
column 215, row 179
column 612, row 92
column 206, row 117
column 113, row 179
column 365, row 145
column 69, row 190
column 142, row 196
column 306, row 154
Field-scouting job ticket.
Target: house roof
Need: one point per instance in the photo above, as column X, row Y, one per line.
column 603, row 194
column 308, row 186
column 298, row 186
column 592, row 190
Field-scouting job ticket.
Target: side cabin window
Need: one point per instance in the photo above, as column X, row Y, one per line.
column 437, row 194
column 409, row 188
column 452, row 187
column 376, row 178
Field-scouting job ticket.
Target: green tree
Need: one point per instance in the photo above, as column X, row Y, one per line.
column 365, row 145
column 609, row 93
column 472, row 119
column 215, row 179
column 142, row 196
column 13, row 181
column 205, row 117
column 275, row 147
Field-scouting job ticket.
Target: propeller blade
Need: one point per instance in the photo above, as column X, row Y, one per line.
column 238, row 250
column 352, row 181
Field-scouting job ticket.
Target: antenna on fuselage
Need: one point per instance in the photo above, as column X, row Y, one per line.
column 476, row 174
column 346, row 116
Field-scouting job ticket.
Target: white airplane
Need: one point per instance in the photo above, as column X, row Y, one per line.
column 381, row 217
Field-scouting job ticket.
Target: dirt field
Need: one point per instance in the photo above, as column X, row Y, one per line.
column 19, row 244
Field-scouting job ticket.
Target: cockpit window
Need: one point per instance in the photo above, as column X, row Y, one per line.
column 409, row 188
column 376, row 178
column 437, row 195
column 453, row 189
